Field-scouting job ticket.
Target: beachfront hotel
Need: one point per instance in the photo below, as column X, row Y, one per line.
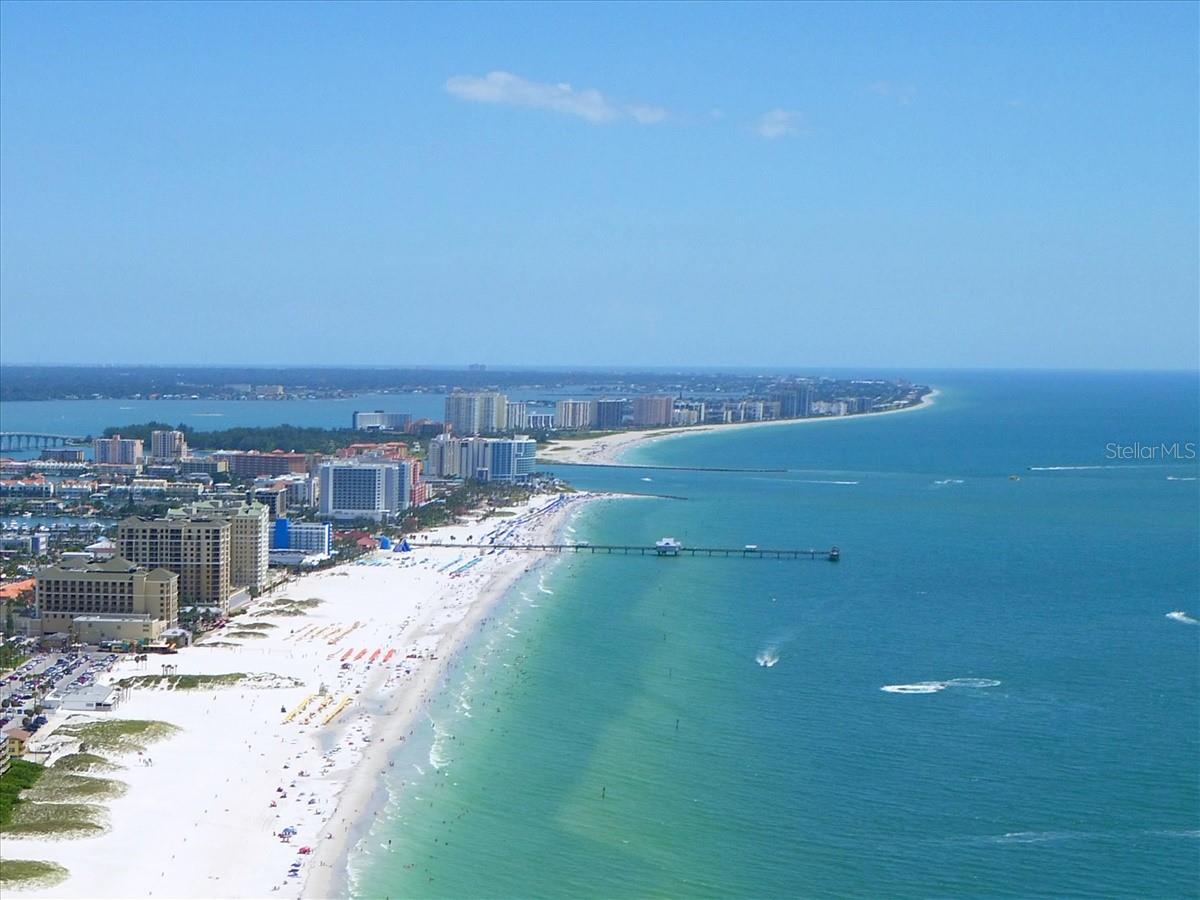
column 367, row 488
column 196, row 548
column 110, row 600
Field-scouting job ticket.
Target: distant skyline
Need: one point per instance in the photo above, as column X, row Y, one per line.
column 880, row 186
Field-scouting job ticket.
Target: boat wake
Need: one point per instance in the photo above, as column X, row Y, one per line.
column 1180, row 616
column 949, row 481
column 933, row 687
column 767, row 657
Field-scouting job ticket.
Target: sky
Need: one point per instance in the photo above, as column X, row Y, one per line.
column 938, row 185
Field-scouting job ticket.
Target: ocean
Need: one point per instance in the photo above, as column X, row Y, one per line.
column 987, row 696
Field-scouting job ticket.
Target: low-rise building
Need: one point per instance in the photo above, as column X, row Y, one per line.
column 378, row 420
column 15, row 740
column 34, row 486
column 310, row 537
column 253, row 464
column 116, row 594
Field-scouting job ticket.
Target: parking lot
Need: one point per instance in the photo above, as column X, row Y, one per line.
column 46, row 673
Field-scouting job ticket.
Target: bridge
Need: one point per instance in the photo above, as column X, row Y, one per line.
column 750, row 551
column 31, row 440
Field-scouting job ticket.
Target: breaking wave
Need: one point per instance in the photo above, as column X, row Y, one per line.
column 1180, row 616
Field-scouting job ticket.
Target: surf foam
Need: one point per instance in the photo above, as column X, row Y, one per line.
column 933, row 687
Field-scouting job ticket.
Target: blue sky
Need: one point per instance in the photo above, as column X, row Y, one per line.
column 1007, row 185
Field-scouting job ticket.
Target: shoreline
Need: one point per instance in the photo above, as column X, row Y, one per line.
column 363, row 791
column 238, row 771
column 608, row 450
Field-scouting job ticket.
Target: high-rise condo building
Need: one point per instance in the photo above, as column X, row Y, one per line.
column 795, row 402
column 196, row 548
column 168, row 445
column 653, row 409
column 517, row 415
column 482, row 459
column 117, row 450
column 610, row 414
column 249, row 537
column 574, row 415
column 476, row 413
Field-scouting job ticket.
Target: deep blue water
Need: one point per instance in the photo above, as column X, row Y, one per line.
column 618, row 737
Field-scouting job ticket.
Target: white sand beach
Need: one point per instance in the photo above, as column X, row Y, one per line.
column 205, row 807
column 607, row 450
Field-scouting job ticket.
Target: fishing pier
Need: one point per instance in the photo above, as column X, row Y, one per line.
column 667, row 547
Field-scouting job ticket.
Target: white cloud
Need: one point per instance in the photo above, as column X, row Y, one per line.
column 506, row 89
column 777, row 123
column 901, row 94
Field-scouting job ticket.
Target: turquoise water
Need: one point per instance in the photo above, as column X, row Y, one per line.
column 619, row 737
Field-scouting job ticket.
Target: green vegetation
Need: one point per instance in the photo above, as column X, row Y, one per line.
column 245, row 634
column 183, row 682
column 462, row 500
column 56, row 787
column 57, row 820
column 84, row 762
column 16, row 873
column 21, row 775
column 11, row 656
column 120, row 735
column 262, row 625
column 288, row 437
